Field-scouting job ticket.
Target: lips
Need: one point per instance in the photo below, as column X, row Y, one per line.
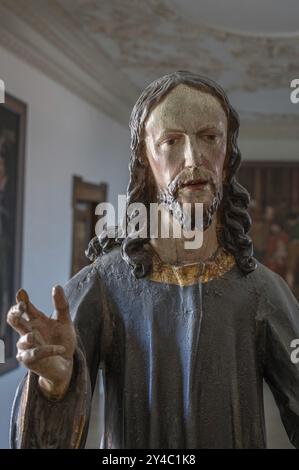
column 195, row 184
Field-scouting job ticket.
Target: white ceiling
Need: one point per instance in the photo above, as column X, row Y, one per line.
column 107, row 51
column 247, row 17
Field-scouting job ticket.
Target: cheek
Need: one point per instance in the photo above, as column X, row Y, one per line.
column 154, row 162
column 222, row 156
column 216, row 159
column 164, row 166
column 157, row 171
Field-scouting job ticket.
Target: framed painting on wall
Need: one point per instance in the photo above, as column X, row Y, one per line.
column 274, row 191
column 86, row 197
column 12, row 161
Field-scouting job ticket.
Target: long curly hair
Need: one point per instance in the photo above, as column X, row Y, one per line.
column 234, row 219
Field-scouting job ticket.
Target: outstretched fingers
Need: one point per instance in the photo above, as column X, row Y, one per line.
column 61, row 305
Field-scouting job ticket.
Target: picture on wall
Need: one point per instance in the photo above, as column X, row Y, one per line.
column 274, row 190
column 12, row 156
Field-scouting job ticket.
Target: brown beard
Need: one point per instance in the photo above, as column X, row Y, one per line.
column 187, row 219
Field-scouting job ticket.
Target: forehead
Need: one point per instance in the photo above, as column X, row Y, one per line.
column 187, row 109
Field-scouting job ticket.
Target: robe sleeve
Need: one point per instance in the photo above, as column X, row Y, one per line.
column 40, row 423
column 280, row 372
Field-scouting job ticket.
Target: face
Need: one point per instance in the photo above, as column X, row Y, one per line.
column 185, row 145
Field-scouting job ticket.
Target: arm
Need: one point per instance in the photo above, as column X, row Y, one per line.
column 40, row 422
column 281, row 317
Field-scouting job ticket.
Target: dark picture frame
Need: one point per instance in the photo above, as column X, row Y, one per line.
column 86, row 197
column 13, row 118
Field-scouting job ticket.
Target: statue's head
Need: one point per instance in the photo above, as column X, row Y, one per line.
column 184, row 149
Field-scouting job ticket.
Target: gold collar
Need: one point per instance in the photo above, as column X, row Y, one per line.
column 186, row 275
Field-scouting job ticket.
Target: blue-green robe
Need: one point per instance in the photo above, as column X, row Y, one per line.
column 183, row 365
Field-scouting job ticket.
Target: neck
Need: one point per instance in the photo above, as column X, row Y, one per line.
column 174, row 251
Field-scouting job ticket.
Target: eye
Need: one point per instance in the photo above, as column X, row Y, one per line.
column 210, row 138
column 171, row 141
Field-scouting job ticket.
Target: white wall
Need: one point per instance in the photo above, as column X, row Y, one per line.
column 65, row 136
column 281, row 150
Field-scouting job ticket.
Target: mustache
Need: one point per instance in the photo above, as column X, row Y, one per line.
column 191, row 175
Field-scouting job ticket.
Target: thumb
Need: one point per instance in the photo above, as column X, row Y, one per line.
column 31, row 310
column 61, row 304
column 22, row 296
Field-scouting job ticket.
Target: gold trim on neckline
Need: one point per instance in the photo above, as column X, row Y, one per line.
column 187, row 275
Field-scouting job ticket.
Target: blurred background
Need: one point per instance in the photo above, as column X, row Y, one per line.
column 73, row 70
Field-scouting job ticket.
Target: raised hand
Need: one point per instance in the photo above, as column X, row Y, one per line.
column 46, row 345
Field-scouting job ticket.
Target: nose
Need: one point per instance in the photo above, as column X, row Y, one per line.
column 193, row 155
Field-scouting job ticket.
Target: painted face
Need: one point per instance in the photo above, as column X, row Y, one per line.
column 185, row 144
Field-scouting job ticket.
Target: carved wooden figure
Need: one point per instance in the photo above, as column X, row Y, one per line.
column 185, row 337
